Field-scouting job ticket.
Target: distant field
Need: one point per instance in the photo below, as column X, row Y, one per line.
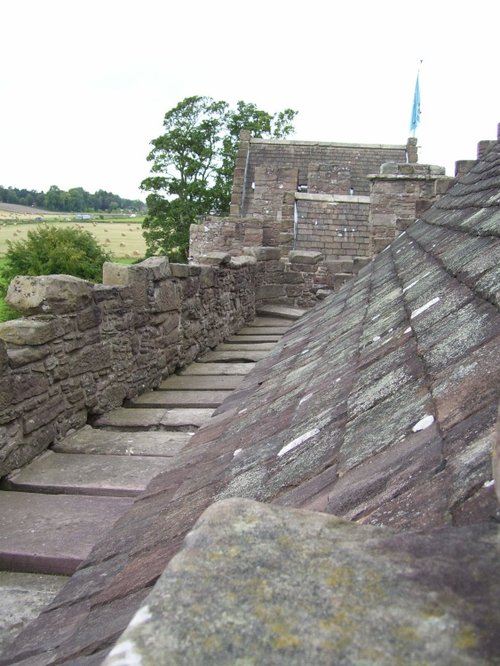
column 23, row 212
column 122, row 239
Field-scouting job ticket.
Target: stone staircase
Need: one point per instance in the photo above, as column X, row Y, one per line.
column 55, row 509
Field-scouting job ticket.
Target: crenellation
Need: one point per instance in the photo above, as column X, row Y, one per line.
column 63, row 368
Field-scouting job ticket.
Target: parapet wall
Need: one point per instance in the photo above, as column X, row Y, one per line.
column 83, row 349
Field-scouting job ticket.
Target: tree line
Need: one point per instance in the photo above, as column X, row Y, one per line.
column 74, row 200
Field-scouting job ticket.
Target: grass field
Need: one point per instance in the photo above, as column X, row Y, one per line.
column 119, row 234
column 122, row 239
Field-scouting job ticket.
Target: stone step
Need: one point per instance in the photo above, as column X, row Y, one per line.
column 232, row 356
column 245, row 346
column 53, row 534
column 217, row 369
column 263, row 330
column 202, row 382
column 279, row 322
column 285, row 311
column 86, row 474
column 154, row 418
column 252, row 338
column 123, row 443
column 197, row 399
column 23, row 596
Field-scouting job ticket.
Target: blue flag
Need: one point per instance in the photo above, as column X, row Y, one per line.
column 415, row 112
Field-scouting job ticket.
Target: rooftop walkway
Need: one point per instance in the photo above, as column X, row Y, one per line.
column 54, row 510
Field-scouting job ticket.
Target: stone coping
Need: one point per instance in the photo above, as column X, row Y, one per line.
column 333, row 198
column 335, row 144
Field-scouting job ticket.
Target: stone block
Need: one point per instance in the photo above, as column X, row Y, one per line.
column 207, row 277
column 115, row 274
column 158, row 267
column 88, row 318
column 214, row 259
column 340, row 265
column 275, row 266
column 17, row 387
column 31, row 331
column 166, row 297
column 263, row 253
column 48, row 294
column 47, row 413
column 242, row 261
column 305, row 257
column 4, row 357
column 184, row 270
column 270, row 291
column 105, row 293
column 383, row 219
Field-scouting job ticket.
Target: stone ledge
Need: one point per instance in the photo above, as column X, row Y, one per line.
column 333, row 198
column 368, row 594
column 288, row 142
column 31, row 331
column 49, row 294
column 214, row 259
column 305, row 257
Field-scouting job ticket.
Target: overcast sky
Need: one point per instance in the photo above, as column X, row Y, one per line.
column 85, row 84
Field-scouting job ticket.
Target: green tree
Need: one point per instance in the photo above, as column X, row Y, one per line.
column 51, row 250
column 192, row 166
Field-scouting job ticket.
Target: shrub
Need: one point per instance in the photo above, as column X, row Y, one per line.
column 53, row 250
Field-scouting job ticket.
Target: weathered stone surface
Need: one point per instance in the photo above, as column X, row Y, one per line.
column 280, row 586
column 263, row 253
column 200, row 382
column 270, row 321
column 275, row 310
column 86, row 474
column 24, row 595
column 233, row 356
column 244, row 346
column 153, row 418
column 48, row 294
column 212, row 368
column 31, row 331
column 214, row 259
column 262, row 330
column 236, row 262
column 123, row 443
column 104, row 344
column 57, row 531
column 305, row 257
column 191, row 398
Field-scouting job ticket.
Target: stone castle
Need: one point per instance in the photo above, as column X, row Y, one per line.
column 332, row 205
column 341, row 505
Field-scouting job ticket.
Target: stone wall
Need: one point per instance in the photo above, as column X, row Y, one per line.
column 297, row 279
column 230, row 235
column 344, row 165
column 399, row 195
column 337, row 226
column 83, row 349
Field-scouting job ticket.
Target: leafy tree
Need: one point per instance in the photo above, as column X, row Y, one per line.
column 50, row 250
column 192, row 166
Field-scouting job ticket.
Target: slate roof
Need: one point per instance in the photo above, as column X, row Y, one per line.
column 379, row 406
